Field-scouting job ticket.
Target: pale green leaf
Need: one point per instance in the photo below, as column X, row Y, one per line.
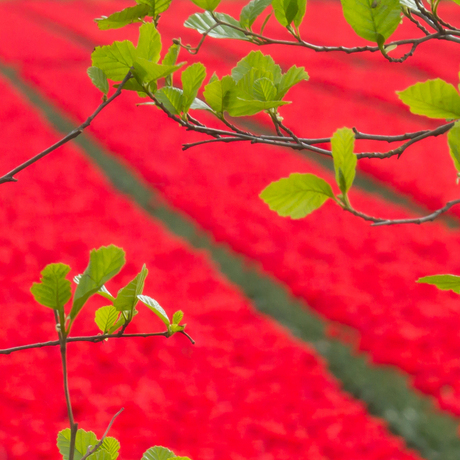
column 105, row 318
column 171, row 59
column 192, row 78
column 453, row 139
column 177, row 317
column 409, row 4
column 53, row 291
column 252, row 11
column 104, row 292
column 198, row 104
column 147, row 72
column 432, row 98
column 158, row 453
column 239, row 106
column 83, row 440
column 157, row 6
column 209, row 5
column 127, row 296
column 111, row 445
column 122, row 18
column 264, row 90
column 345, row 160
column 293, row 76
column 104, row 264
column 297, row 195
column 155, row 307
column 443, row 282
column 100, row 454
column 255, row 60
column 149, row 43
column 371, row 18
column 218, row 92
column 114, row 60
column 99, row 79
column 203, row 22
column 171, row 98
column 120, row 322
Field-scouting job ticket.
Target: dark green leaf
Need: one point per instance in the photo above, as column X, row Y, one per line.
column 127, row 296
column 443, row 282
column 297, row 195
column 104, row 264
column 433, row 98
column 149, row 43
column 203, row 22
column 192, row 78
column 368, row 18
column 53, row 291
column 155, row 307
column 99, row 79
column 252, row 11
column 123, row 18
column 83, row 440
column 114, row 60
column 345, row 160
column 158, row 453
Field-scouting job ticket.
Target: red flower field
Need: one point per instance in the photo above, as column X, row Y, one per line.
column 247, row 389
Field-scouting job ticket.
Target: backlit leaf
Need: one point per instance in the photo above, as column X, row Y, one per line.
column 241, row 107
column 264, row 90
column 209, row 5
column 146, row 71
column 111, row 445
column 258, row 61
column 345, row 160
column 177, row 317
column 124, row 17
column 155, row 307
column 251, row 11
column 443, row 282
column 192, row 78
column 127, row 296
column 171, row 98
column 293, row 76
column 453, row 139
column 218, row 92
column 83, row 441
column 433, row 98
column 285, row 11
column 297, row 195
column 202, row 22
column 149, row 43
column 157, row 6
column 114, row 60
column 158, row 453
column 105, row 318
column 99, row 79
column 100, row 454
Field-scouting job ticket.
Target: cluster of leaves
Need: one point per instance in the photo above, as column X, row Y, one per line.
column 54, row 291
column 104, row 449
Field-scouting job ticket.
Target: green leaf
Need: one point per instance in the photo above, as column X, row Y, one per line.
column 409, row 4
column 53, row 291
column 432, row 98
column 99, row 79
column 252, row 11
column 147, row 72
column 127, row 296
column 100, row 454
column 104, row 292
column 158, row 453
column 105, row 317
column 293, row 76
column 241, row 106
column 369, row 18
column 443, row 282
column 171, row 59
column 345, row 160
column 285, row 11
column 192, row 78
column 218, row 93
column 202, row 22
column 171, row 98
column 114, row 60
column 209, row 5
column 198, row 104
column 157, row 6
column 255, row 60
column 123, row 18
column 83, row 440
column 149, row 43
column 120, row 322
column 104, row 264
column 264, row 90
column 453, row 139
column 177, row 317
column 297, row 195
column 111, row 445
column 155, row 307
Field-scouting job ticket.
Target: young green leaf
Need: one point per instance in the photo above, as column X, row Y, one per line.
column 99, row 79
column 432, row 98
column 240, row 106
column 371, row 18
column 285, row 11
column 345, row 160
column 104, row 264
column 192, row 78
column 100, row 454
column 83, row 440
column 264, row 89
column 252, row 11
column 171, row 98
column 177, row 317
column 105, row 318
column 158, row 453
column 209, row 5
column 453, row 139
column 149, row 43
column 443, row 282
column 217, row 93
column 155, row 307
column 198, row 104
column 127, row 296
column 157, row 6
column 293, row 76
column 146, row 72
column 114, row 60
column 297, row 195
column 111, row 445
column 204, row 22
column 53, row 291
column 104, row 292
column 171, row 59
column 122, row 18
column 255, row 60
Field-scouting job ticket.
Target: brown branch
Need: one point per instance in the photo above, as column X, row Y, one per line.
column 9, row 177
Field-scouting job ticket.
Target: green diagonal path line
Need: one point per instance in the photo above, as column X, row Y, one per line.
column 384, row 390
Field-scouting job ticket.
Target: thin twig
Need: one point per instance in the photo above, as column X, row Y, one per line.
column 9, row 177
